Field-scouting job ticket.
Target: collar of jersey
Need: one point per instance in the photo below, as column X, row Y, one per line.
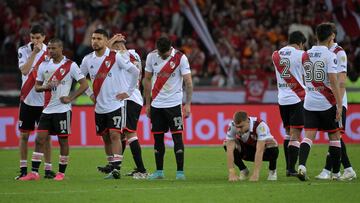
column 106, row 53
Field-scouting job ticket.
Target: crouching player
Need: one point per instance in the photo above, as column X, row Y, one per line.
column 249, row 139
column 55, row 78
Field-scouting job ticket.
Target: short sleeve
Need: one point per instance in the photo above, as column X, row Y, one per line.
column 148, row 65
column 263, row 132
column 342, row 61
column 231, row 132
column 22, row 57
column 332, row 63
column 40, row 73
column 75, row 72
column 184, row 65
column 84, row 68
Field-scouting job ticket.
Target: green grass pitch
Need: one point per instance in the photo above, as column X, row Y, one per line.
column 206, row 173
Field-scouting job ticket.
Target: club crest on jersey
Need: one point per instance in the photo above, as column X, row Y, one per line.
column 62, row 71
column 172, row 65
column 107, row 63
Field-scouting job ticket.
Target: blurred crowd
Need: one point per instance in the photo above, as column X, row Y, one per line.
column 246, row 32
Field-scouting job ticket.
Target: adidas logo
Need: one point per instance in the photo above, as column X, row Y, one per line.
column 155, row 64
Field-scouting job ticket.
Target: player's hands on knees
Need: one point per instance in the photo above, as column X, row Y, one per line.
column 147, row 110
column 122, row 96
column 65, row 99
column 254, row 177
column 187, row 110
column 232, row 175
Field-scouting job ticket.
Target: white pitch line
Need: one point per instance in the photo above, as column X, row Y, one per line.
column 166, row 188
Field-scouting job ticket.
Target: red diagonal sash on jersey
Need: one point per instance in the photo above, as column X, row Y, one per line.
column 165, row 73
column 320, row 86
column 337, row 49
column 104, row 69
column 59, row 74
column 296, row 87
column 30, row 82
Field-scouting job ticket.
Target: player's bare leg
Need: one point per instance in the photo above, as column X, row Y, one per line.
column 109, row 155
column 49, row 174
column 23, row 146
column 64, row 157
column 117, row 154
column 37, row 156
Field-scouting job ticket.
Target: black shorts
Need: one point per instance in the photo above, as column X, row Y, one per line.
column 292, row 115
column 321, row 120
column 132, row 112
column 247, row 153
column 163, row 119
column 109, row 121
column 29, row 117
column 56, row 123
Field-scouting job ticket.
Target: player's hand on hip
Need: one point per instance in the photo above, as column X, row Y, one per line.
column 147, row 110
column 187, row 110
column 122, row 96
column 65, row 99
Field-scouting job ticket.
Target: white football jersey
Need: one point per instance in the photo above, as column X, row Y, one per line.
column 289, row 75
column 46, row 70
column 114, row 82
column 342, row 64
column 319, row 96
column 171, row 93
column 33, row 98
column 136, row 60
column 262, row 133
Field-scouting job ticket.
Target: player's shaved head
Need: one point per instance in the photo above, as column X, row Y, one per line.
column 240, row 116
column 56, row 41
